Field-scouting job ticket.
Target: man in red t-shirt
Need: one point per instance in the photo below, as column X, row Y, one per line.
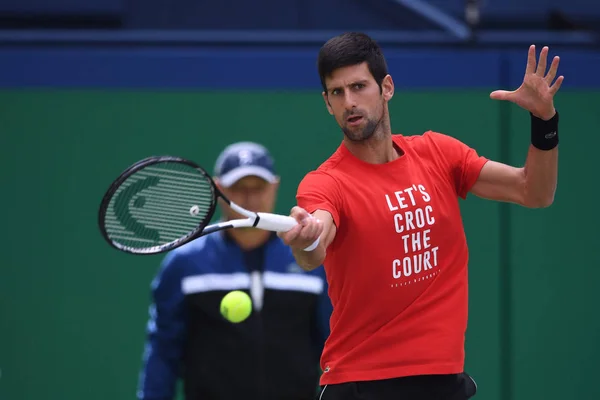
column 385, row 208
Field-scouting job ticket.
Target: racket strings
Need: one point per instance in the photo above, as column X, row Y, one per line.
column 158, row 205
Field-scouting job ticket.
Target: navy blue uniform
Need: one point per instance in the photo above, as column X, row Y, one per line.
column 274, row 354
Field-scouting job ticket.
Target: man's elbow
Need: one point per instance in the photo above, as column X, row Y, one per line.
column 547, row 201
column 543, row 200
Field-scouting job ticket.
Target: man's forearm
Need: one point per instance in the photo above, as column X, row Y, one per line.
column 541, row 175
column 541, row 167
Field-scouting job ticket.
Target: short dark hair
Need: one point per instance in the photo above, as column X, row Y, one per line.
column 348, row 49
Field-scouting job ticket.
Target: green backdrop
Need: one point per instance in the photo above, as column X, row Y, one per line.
column 73, row 311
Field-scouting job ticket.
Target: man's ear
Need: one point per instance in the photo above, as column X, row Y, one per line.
column 326, row 99
column 387, row 88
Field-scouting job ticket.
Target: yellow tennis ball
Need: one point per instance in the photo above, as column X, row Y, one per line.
column 236, row 306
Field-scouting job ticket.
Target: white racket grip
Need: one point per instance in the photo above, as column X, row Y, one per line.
column 274, row 222
column 280, row 223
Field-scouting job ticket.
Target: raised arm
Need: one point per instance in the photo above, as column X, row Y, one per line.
column 534, row 184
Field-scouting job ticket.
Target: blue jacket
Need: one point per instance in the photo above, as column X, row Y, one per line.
column 271, row 355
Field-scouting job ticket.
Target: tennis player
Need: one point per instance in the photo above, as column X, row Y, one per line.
column 386, row 208
column 273, row 354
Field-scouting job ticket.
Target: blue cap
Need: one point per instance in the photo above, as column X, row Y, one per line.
column 243, row 159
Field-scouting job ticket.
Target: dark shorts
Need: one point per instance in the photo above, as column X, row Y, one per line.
column 422, row 387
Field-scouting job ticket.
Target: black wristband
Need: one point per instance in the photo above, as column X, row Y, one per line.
column 544, row 134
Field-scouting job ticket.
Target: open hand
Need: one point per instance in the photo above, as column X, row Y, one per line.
column 536, row 93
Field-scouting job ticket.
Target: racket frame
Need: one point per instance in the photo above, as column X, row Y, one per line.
column 141, row 164
column 266, row 221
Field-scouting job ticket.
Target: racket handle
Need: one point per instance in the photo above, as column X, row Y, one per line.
column 280, row 223
column 274, row 222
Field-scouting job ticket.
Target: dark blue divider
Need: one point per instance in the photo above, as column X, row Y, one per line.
column 61, row 7
column 267, row 68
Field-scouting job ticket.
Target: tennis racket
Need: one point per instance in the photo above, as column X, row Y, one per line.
column 163, row 202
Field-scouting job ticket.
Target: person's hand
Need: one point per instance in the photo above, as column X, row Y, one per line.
column 305, row 233
column 536, row 93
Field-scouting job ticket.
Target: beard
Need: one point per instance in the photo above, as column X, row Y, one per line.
column 360, row 134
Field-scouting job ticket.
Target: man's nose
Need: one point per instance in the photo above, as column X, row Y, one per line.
column 349, row 100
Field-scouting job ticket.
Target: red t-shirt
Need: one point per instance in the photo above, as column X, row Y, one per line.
column 397, row 268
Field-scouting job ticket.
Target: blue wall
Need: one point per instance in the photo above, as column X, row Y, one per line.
column 270, row 67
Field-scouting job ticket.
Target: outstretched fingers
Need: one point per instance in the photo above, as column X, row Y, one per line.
column 531, row 63
column 541, row 67
column 553, row 69
column 554, row 88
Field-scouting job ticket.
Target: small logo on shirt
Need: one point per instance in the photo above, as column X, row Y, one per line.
column 326, row 369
